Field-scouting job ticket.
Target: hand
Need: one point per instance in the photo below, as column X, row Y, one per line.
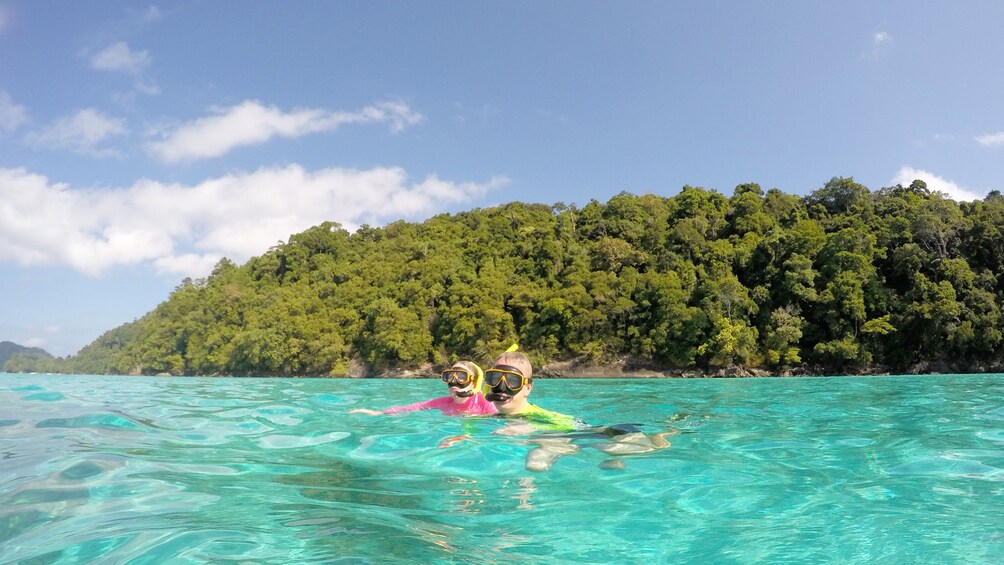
column 452, row 440
column 366, row 411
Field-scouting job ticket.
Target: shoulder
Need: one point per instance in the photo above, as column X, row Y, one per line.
column 556, row 419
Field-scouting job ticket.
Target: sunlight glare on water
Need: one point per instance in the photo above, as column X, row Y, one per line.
column 187, row 470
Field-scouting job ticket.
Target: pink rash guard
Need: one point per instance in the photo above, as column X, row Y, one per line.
column 475, row 406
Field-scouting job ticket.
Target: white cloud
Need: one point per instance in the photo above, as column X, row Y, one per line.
column 187, row 264
column 117, row 57
column 147, row 87
column 11, row 115
column 184, row 229
column 880, row 42
column 83, row 133
column 150, row 15
column 35, row 342
column 251, row 123
column 907, row 175
column 991, row 139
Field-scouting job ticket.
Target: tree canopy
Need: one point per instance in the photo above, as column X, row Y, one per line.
column 844, row 279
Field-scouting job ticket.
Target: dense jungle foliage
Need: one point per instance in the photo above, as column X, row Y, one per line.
column 840, row 281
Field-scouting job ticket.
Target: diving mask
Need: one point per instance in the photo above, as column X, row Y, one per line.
column 457, row 376
column 505, row 377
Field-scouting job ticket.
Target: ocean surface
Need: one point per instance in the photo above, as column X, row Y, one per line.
column 796, row 470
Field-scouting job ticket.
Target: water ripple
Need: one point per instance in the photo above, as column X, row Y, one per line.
column 178, row 470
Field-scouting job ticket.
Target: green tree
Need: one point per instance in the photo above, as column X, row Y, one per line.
column 783, row 337
column 393, row 336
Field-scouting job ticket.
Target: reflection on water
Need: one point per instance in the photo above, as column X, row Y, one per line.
column 175, row 470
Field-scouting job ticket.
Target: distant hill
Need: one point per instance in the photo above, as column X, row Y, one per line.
column 844, row 280
column 9, row 349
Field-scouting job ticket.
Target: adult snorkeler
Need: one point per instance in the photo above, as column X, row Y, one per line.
column 510, row 382
column 463, row 382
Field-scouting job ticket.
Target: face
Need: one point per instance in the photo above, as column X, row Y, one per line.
column 460, row 393
column 459, row 383
column 509, row 389
column 513, row 403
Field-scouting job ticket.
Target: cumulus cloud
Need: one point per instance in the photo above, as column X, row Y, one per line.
column 11, row 115
column 991, row 139
column 82, row 132
column 185, row 229
column 252, row 123
column 907, row 175
column 880, row 37
column 117, row 57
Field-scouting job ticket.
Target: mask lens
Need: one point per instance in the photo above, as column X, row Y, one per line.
column 511, row 380
column 456, row 377
column 493, row 378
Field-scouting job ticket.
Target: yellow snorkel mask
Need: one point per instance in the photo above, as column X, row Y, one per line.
column 483, row 386
column 460, row 375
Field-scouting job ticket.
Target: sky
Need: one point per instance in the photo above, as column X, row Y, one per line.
column 141, row 142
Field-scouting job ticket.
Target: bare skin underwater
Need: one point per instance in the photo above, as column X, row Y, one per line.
column 549, row 450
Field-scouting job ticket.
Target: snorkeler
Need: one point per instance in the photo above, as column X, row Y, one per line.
column 464, row 381
column 510, row 382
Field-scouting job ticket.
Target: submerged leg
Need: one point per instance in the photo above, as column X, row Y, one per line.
column 541, row 458
column 613, row 464
column 635, row 443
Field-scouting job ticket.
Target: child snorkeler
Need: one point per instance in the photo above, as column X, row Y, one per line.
column 464, row 381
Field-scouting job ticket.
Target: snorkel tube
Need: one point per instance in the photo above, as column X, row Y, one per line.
column 479, row 380
column 497, row 397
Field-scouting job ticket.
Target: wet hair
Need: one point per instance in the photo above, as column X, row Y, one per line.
column 516, row 359
column 467, row 366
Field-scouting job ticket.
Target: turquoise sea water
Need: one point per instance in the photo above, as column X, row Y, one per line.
column 185, row 470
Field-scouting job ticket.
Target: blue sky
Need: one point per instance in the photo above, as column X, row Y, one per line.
column 141, row 142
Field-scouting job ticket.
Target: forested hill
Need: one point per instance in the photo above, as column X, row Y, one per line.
column 843, row 280
column 9, row 349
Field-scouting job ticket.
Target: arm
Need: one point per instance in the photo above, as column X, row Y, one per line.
column 424, row 405
column 516, row 428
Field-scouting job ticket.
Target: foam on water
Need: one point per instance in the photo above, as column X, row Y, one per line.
column 184, row 470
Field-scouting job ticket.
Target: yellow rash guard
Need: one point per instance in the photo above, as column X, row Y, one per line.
column 552, row 421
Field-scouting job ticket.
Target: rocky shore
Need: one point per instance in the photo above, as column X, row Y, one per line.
column 634, row 369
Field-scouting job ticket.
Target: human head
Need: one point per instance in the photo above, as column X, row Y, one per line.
column 513, row 403
column 461, row 394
